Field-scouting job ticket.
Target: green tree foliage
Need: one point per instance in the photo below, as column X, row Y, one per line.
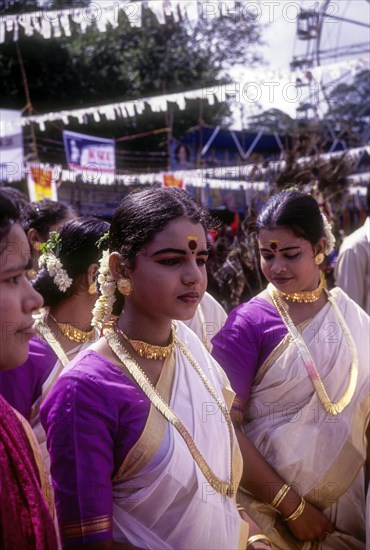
column 18, row 6
column 124, row 63
column 349, row 108
column 270, row 121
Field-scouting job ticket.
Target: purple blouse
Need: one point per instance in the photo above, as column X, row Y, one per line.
column 93, row 416
column 23, row 385
column 251, row 332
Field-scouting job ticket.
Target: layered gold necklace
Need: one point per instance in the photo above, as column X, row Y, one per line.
column 330, row 407
column 146, row 350
column 113, row 339
column 306, row 296
column 73, row 333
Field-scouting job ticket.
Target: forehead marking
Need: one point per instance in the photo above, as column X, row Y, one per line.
column 273, row 245
column 192, row 244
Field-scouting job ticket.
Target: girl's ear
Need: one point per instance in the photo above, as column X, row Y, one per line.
column 92, row 271
column 320, row 247
column 34, row 239
column 117, row 266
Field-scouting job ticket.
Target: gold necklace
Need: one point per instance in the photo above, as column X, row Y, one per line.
column 330, row 407
column 73, row 333
column 306, row 296
column 148, row 351
column 223, row 487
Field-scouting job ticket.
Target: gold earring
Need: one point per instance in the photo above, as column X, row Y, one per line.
column 92, row 289
column 319, row 258
column 36, row 246
column 124, row 286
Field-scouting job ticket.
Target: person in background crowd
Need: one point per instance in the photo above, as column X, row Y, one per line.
column 67, row 283
column 25, row 518
column 352, row 270
column 41, row 218
column 20, row 200
column 209, row 317
column 143, row 452
column 298, row 359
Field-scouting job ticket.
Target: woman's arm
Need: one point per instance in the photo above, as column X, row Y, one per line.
column 261, row 480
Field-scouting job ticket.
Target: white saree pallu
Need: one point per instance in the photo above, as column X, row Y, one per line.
column 209, row 318
column 162, row 500
column 321, row 454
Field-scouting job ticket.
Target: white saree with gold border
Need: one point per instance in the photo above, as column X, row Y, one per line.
column 322, row 455
column 161, row 498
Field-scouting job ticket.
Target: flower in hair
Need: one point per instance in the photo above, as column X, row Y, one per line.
column 330, row 245
column 102, row 239
column 49, row 259
column 107, row 286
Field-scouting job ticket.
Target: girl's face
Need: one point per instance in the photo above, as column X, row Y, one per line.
column 170, row 278
column 288, row 261
column 18, row 299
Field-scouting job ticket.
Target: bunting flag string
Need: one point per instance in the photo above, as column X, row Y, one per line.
column 55, row 23
column 254, row 175
column 219, row 92
column 122, row 109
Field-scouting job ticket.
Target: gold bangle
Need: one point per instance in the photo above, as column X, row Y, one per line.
column 239, row 507
column 297, row 512
column 280, row 495
column 257, row 538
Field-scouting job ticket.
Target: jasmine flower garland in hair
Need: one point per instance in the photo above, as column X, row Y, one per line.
column 107, row 286
column 48, row 259
column 329, row 235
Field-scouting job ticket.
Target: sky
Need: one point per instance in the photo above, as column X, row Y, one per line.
column 272, row 86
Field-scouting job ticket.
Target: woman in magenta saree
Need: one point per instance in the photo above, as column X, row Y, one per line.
column 26, row 521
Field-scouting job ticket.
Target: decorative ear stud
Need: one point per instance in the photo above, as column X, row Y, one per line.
column 319, row 258
column 92, row 289
column 124, row 286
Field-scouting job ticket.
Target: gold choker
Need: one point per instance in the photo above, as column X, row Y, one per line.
column 73, row 333
column 306, row 296
column 148, row 351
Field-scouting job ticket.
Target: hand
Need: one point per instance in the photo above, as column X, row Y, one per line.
column 253, row 530
column 311, row 525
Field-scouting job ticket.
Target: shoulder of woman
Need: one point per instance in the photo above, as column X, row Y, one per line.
column 250, row 312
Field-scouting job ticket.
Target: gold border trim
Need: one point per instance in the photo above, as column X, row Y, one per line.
column 151, row 438
column 93, row 526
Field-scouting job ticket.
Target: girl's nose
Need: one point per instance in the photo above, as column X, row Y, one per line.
column 278, row 265
column 193, row 273
column 32, row 299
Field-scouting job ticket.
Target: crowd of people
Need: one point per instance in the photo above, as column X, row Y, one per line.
column 138, row 413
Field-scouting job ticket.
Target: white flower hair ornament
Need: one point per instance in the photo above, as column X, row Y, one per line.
column 107, row 285
column 329, row 235
column 49, row 259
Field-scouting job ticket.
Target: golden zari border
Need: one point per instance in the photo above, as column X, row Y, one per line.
column 92, row 526
column 333, row 408
column 48, row 336
column 151, row 438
